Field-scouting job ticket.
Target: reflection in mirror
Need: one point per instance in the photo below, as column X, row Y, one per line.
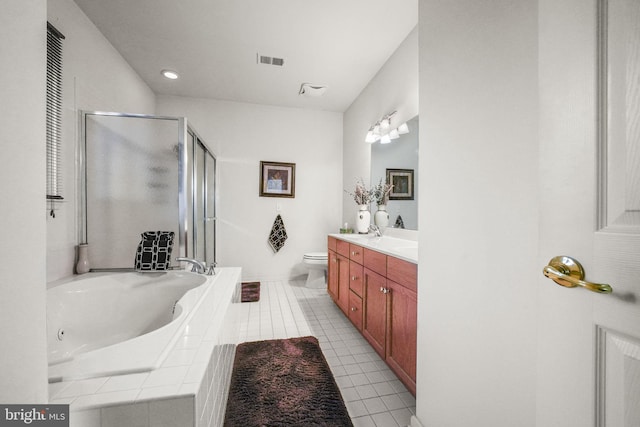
column 400, row 154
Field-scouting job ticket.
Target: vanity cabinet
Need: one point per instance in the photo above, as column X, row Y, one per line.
column 379, row 296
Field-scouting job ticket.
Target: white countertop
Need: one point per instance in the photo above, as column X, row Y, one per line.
column 400, row 248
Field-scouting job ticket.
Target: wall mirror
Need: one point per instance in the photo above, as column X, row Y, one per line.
column 400, row 154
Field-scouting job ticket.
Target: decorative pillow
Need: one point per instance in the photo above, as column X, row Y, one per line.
column 154, row 251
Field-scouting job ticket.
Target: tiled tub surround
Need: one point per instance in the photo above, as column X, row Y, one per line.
column 189, row 388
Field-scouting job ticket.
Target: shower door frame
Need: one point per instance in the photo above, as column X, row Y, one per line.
column 186, row 246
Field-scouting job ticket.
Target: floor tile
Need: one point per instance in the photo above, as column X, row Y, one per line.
column 372, row 393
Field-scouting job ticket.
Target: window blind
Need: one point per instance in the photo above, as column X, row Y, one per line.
column 54, row 115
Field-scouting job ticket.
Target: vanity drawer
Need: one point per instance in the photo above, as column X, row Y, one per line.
column 331, row 243
column 342, row 247
column 355, row 277
column 355, row 310
column 403, row 272
column 356, row 253
column 375, row 261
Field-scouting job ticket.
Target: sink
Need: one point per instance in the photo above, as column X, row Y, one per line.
column 393, row 246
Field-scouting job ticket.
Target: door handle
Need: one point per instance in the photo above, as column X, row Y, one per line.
column 568, row 272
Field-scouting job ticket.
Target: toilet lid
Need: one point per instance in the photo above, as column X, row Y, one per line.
column 315, row 255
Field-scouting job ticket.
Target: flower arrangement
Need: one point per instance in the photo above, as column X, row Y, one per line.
column 380, row 192
column 361, row 195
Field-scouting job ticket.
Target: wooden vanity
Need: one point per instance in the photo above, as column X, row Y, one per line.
column 378, row 293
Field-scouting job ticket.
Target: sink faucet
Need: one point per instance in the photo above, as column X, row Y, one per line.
column 376, row 230
column 198, row 267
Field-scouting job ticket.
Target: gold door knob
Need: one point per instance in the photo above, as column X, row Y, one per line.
column 568, row 272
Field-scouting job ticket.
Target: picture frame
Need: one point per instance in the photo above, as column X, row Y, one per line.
column 402, row 181
column 277, row 179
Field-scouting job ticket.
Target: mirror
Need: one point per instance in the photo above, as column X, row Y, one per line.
column 399, row 160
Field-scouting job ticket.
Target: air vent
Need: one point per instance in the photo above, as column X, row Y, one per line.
column 268, row 60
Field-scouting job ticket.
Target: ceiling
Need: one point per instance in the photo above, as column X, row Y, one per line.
column 213, row 45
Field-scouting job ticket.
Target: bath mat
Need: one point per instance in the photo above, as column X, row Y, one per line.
column 250, row 292
column 284, row 383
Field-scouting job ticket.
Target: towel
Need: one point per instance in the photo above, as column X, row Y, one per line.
column 154, row 251
column 399, row 222
column 278, row 234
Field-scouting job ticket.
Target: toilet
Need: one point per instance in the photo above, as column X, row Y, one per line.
column 316, row 262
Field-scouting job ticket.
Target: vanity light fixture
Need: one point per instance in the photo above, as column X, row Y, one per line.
column 371, row 136
column 170, row 74
column 382, row 131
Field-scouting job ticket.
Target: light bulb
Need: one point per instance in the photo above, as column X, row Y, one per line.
column 172, row 75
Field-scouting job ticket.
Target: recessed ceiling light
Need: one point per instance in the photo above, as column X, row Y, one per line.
column 170, row 74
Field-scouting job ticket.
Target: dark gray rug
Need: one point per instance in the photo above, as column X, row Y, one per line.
column 284, row 383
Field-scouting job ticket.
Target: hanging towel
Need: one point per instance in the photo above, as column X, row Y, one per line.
column 399, row 222
column 278, row 234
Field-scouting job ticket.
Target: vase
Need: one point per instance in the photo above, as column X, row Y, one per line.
column 363, row 219
column 82, row 266
column 381, row 217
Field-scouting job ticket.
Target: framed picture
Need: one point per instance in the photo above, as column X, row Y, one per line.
column 402, row 181
column 277, row 179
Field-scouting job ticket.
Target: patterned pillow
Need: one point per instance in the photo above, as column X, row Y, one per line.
column 154, row 251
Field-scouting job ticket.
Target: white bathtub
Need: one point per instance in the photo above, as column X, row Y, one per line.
column 118, row 323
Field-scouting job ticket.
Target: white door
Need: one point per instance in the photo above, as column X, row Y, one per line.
column 589, row 343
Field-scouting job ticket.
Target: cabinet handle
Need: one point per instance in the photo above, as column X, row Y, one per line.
column 382, row 289
column 355, row 253
column 354, row 278
column 385, row 290
column 353, row 309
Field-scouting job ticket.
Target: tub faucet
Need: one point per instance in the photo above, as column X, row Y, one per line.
column 211, row 271
column 198, row 267
column 376, row 230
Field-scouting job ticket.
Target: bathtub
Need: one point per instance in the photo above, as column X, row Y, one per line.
column 118, row 323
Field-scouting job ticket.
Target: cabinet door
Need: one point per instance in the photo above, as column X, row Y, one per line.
column 343, row 284
column 401, row 333
column 375, row 310
column 332, row 285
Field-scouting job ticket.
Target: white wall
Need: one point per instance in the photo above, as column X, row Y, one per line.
column 96, row 78
column 241, row 135
column 23, row 363
column 478, row 213
column 394, row 87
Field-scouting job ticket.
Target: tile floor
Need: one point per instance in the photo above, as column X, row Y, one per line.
column 373, row 394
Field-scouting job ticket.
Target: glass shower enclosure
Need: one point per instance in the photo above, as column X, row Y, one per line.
column 144, row 173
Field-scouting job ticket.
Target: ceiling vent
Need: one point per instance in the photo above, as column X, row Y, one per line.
column 269, row 60
column 313, row 90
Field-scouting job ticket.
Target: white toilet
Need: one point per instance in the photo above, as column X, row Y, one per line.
column 317, row 264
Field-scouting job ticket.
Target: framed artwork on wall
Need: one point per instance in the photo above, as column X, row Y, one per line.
column 277, row 179
column 402, row 181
